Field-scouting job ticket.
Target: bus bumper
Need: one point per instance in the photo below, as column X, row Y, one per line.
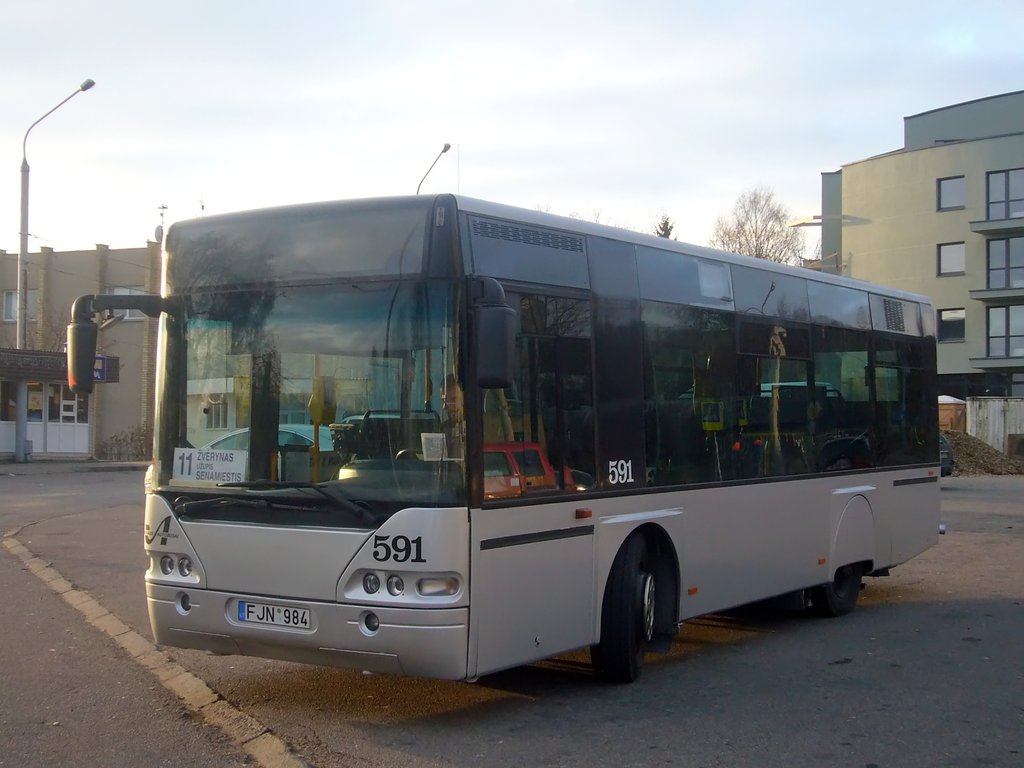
column 415, row 642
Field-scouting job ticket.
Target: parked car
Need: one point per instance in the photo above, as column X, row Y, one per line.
column 945, row 456
column 287, row 434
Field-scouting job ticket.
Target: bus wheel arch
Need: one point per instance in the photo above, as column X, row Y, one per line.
column 640, row 606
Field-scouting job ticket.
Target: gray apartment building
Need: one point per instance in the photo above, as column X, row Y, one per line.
column 61, row 423
column 944, row 216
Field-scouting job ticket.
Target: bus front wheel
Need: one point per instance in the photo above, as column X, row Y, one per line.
column 627, row 614
column 839, row 596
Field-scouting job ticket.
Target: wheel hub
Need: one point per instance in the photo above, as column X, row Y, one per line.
column 647, row 605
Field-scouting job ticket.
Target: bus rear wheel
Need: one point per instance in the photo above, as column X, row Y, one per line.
column 627, row 615
column 839, row 596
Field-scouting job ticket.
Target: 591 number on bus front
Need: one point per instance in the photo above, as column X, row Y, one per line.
column 401, row 549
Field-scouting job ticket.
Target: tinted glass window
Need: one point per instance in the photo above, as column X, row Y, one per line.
column 680, row 278
column 905, row 401
column 770, row 293
column 546, row 419
column 692, row 414
column 299, row 243
column 842, row 400
column 838, row 305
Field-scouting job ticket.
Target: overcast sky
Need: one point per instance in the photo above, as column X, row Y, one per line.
column 626, row 109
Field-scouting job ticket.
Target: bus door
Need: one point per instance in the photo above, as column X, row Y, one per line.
column 533, row 587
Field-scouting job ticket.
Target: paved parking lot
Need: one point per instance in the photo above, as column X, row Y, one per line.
column 926, row 672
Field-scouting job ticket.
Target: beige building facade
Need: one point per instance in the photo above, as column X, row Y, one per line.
column 114, row 421
column 944, row 216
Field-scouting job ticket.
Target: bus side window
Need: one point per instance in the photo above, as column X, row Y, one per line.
column 551, row 416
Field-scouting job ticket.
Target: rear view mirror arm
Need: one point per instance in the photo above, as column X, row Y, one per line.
column 83, row 331
column 152, row 306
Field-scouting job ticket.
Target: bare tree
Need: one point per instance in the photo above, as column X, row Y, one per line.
column 757, row 227
column 663, row 226
column 50, row 334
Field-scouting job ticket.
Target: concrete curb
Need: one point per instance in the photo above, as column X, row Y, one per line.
column 59, row 466
column 266, row 749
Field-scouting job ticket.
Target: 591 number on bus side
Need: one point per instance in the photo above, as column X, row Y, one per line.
column 620, row 471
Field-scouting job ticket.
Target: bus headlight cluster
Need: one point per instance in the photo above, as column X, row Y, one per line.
column 183, row 565
column 426, row 586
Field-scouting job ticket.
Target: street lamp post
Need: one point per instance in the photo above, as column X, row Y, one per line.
column 21, row 403
column 444, row 149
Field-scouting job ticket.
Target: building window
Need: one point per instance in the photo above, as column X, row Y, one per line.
column 1005, row 263
column 952, row 324
column 952, row 193
column 1017, row 385
column 216, row 411
column 61, row 404
column 129, row 314
column 65, row 407
column 11, row 305
column 952, row 259
column 1006, row 331
column 1006, row 194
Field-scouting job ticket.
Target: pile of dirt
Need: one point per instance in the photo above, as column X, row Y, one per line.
column 972, row 456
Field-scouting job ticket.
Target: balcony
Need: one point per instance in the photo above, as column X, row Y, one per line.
column 996, row 297
column 998, row 227
column 997, row 363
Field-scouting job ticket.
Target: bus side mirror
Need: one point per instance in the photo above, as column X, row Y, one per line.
column 82, row 335
column 494, row 337
column 83, row 332
column 495, row 346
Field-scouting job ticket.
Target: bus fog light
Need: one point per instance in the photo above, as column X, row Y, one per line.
column 371, row 622
column 167, row 565
column 371, row 583
column 395, row 585
column 438, row 586
column 185, row 565
column 184, row 603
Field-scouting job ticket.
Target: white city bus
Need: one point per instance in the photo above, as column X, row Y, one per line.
column 442, row 437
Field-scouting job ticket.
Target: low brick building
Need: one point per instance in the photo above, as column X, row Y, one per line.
column 116, row 418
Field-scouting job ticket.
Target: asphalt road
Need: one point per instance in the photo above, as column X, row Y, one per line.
column 68, row 695
column 928, row 671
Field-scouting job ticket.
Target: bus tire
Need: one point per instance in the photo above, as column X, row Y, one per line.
column 627, row 615
column 839, row 596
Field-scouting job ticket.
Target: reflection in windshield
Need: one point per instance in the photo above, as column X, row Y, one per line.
column 345, row 385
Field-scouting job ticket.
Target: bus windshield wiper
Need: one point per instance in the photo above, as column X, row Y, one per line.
column 192, row 507
column 280, row 485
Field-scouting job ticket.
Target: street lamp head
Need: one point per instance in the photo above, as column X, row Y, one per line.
column 444, row 149
column 89, row 83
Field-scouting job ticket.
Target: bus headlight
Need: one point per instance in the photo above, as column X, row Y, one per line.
column 395, row 585
column 438, row 586
column 371, row 583
column 167, row 565
column 185, row 565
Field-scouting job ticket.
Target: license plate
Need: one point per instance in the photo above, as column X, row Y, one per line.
column 276, row 615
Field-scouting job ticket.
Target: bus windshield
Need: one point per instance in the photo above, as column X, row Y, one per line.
column 339, row 387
